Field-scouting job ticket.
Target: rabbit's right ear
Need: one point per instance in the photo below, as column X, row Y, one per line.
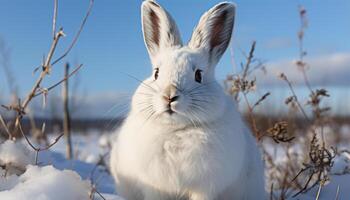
column 159, row 28
column 214, row 30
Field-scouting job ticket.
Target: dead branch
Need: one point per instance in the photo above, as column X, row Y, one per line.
column 45, row 90
column 45, row 71
column 262, row 98
column 285, row 78
column 75, row 39
column 249, row 60
column 5, row 127
column 20, row 108
column 38, row 149
column 66, row 121
column 54, row 18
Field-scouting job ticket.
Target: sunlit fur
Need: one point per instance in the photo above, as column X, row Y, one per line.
column 201, row 151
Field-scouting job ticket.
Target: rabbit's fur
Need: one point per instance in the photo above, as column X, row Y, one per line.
column 184, row 138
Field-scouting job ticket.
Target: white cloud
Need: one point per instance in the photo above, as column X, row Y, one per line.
column 331, row 69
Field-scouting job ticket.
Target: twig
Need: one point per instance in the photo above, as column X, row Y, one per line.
column 249, row 60
column 54, row 18
column 243, row 87
column 5, row 127
column 284, row 77
column 38, row 149
column 74, row 41
column 100, row 162
column 337, row 194
column 261, row 99
column 53, row 143
column 319, row 191
column 271, row 192
column 46, row 70
column 301, row 63
column 66, row 121
column 60, row 82
column 93, row 190
column 251, row 117
column 100, row 194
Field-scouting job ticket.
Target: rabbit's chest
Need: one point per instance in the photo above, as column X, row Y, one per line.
column 175, row 157
column 177, row 148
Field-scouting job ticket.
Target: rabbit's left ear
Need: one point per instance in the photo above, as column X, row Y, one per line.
column 159, row 28
column 214, row 30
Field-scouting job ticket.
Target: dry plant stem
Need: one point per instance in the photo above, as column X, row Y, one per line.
column 38, row 149
column 249, row 60
column 67, row 121
column 296, row 98
column 99, row 194
column 76, row 35
column 321, row 161
column 101, row 161
column 251, row 117
column 54, row 18
column 262, row 98
column 301, row 63
column 60, row 82
column 337, row 193
column 244, row 76
column 301, row 60
column 5, row 57
column 46, row 70
column 5, row 127
column 94, row 190
column 302, row 53
column 319, row 191
column 271, row 192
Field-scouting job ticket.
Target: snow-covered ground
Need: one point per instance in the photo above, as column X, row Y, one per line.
column 58, row 178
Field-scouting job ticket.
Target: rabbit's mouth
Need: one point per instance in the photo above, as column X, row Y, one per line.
column 170, row 111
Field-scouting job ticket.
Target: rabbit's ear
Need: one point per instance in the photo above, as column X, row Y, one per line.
column 159, row 28
column 214, row 30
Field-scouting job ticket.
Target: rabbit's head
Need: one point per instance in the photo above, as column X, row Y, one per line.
column 182, row 87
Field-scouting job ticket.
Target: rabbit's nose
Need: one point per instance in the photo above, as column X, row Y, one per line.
column 170, row 99
column 170, row 93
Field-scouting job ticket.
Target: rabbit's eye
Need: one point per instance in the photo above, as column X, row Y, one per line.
column 198, row 76
column 156, row 72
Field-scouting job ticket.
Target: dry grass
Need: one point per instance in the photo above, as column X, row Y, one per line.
column 19, row 107
column 299, row 135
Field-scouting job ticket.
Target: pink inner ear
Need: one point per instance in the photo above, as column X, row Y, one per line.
column 155, row 27
column 218, row 36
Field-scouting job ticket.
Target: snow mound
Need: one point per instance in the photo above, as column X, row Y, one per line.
column 15, row 156
column 44, row 183
column 341, row 164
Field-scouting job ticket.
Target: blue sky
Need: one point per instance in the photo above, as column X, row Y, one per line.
column 112, row 43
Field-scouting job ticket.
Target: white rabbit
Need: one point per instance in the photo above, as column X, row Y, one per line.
column 184, row 138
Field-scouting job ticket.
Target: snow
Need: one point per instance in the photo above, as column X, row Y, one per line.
column 341, row 164
column 15, row 156
column 45, row 183
column 55, row 177
column 329, row 191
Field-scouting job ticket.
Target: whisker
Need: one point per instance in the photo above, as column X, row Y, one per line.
column 142, row 82
column 201, row 100
column 200, row 86
column 190, row 115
